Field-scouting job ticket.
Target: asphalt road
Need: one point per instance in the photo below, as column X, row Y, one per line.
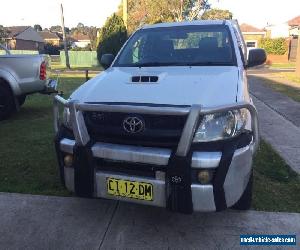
column 41, row 222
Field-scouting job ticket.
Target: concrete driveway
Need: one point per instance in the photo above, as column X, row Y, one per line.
column 42, row 222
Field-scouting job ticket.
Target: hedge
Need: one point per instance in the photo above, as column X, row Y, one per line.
column 275, row 46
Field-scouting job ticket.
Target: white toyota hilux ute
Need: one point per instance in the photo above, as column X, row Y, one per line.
column 169, row 123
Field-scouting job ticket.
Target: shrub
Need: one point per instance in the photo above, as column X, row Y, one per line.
column 52, row 49
column 112, row 36
column 275, row 46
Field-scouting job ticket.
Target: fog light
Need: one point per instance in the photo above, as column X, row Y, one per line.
column 68, row 160
column 204, row 176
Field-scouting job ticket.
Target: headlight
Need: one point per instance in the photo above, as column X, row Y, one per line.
column 66, row 118
column 221, row 126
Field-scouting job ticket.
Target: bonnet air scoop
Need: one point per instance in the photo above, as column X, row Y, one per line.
column 138, row 79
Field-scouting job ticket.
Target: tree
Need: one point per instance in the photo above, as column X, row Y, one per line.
column 56, row 28
column 80, row 25
column 51, row 49
column 154, row 11
column 216, row 14
column 3, row 34
column 193, row 9
column 112, row 36
column 67, row 30
column 37, row 27
column 90, row 31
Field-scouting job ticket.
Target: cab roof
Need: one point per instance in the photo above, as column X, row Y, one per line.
column 187, row 23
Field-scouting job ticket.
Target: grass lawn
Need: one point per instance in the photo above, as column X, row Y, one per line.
column 283, row 65
column 291, row 90
column 291, row 76
column 28, row 163
column 276, row 186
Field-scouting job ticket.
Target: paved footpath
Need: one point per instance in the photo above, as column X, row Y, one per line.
column 279, row 120
column 41, row 222
column 280, row 103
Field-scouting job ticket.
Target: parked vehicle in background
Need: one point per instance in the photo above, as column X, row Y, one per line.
column 22, row 75
column 170, row 123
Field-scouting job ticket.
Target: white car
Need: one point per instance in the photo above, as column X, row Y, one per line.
column 169, row 123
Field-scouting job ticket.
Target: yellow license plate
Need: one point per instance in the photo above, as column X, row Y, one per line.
column 130, row 189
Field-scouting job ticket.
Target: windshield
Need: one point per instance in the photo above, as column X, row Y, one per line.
column 196, row 45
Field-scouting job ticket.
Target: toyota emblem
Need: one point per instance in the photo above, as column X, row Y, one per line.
column 133, row 124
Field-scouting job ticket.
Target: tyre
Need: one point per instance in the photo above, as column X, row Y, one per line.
column 244, row 203
column 7, row 104
column 21, row 99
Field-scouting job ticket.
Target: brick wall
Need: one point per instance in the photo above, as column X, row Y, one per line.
column 277, row 59
column 28, row 45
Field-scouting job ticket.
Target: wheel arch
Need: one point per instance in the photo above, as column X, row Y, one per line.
column 6, row 83
column 7, row 78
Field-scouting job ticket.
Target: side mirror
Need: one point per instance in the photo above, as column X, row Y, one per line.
column 256, row 57
column 106, row 60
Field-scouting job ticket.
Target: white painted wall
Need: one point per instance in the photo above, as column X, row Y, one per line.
column 82, row 44
column 279, row 30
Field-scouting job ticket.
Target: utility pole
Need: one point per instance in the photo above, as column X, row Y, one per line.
column 125, row 13
column 64, row 36
column 298, row 55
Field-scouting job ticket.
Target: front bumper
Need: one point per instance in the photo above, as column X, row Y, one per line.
column 231, row 161
column 203, row 197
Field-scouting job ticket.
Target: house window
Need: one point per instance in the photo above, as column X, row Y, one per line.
column 251, row 44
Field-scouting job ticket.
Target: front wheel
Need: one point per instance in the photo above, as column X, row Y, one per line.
column 244, row 203
column 7, row 104
column 21, row 99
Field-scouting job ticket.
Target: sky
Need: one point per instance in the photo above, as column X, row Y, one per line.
column 94, row 12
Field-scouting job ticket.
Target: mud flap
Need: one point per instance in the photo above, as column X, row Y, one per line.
column 178, row 185
column 84, row 171
column 59, row 156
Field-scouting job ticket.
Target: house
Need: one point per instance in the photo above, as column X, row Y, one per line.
column 294, row 25
column 23, row 38
column 278, row 30
column 252, row 35
column 51, row 38
column 294, row 33
column 286, row 29
column 81, row 40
